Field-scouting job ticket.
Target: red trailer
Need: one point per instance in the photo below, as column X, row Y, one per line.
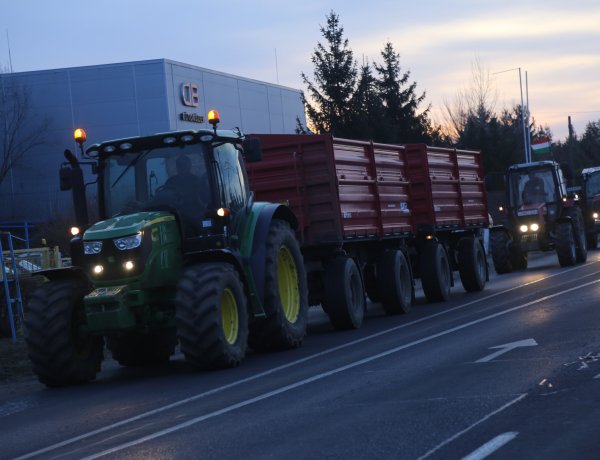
column 373, row 216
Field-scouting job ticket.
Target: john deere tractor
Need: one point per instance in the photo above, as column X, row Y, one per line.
column 541, row 216
column 181, row 253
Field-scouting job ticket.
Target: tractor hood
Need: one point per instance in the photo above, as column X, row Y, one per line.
column 128, row 224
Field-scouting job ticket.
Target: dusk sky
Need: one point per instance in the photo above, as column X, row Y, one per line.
column 557, row 42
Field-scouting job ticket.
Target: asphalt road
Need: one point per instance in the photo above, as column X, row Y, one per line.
column 511, row 372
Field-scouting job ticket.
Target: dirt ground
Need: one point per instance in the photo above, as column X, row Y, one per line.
column 14, row 363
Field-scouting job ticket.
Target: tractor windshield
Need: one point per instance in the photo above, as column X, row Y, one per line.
column 165, row 177
column 592, row 185
column 530, row 187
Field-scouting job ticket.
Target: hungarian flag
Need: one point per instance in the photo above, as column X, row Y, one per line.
column 541, row 145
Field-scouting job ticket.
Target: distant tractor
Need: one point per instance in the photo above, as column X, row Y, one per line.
column 590, row 203
column 540, row 216
column 182, row 253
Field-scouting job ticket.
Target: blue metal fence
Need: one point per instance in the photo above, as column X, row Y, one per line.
column 10, row 280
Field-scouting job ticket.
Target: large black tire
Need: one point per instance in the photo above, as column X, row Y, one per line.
column 59, row 353
column 519, row 259
column 212, row 316
column 565, row 244
column 143, row 349
column 436, row 276
column 472, row 265
column 394, row 282
column 501, row 255
column 579, row 235
column 344, row 295
column 286, row 293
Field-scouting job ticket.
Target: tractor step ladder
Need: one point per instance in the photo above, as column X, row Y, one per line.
column 10, row 277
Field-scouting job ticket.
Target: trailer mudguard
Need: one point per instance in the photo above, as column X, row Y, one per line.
column 253, row 247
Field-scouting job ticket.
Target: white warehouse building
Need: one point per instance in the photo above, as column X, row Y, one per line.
column 127, row 99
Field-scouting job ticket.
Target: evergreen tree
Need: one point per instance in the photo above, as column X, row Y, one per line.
column 402, row 122
column 335, row 76
column 366, row 108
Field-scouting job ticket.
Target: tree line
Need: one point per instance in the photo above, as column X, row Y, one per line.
column 380, row 102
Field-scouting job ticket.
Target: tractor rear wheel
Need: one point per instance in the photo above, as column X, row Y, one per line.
column 286, row 293
column 499, row 242
column 472, row 265
column 565, row 244
column 394, row 282
column 436, row 277
column 60, row 354
column 344, row 297
column 143, row 349
column 212, row 316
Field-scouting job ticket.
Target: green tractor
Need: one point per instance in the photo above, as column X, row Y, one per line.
column 181, row 254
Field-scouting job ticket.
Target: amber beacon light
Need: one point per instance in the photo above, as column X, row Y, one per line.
column 79, row 135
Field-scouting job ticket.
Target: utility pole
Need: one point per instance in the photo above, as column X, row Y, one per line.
column 527, row 159
column 571, row 146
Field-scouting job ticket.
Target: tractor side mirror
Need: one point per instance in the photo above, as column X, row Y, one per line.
column 252, row 150
column 65, row 174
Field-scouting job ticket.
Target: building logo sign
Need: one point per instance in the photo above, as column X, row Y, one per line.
column 190, row 95
column 190, row 98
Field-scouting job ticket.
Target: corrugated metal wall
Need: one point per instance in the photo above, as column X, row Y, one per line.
column 121, row 100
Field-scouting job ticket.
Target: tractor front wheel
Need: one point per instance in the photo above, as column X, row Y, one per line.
column 565, row 244
column 212, row 317
column 501, row 255
column 61, row 354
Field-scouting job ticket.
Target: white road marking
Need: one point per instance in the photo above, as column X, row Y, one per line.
column 333, row 372
column 491, row 446
column 469, row 428
column 506, row 348
column 597, row 376
column 318, row 355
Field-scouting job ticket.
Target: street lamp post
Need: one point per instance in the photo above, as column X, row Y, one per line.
column 525, row 144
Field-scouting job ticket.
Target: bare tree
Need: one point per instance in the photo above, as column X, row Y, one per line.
column 20, row 130
column 477, row 101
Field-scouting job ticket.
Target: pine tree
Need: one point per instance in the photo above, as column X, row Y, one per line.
column 335, row 76
column 366, row 108
column 402, row 121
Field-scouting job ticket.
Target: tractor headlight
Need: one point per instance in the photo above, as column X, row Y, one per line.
column 595, row 215
column 523, row 228
column 98, row 269
column 534, row 227
column 92, row 247
column 129, row 242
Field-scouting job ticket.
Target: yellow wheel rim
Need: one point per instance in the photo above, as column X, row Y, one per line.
column 287, row 277
column 229, row 316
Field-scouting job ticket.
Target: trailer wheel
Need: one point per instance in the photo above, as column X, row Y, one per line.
column 286, row 293
column 211, row 316
column 143, row 349
column 435, row 272
column 565, row 244
column 59, row 353
column 344, row 296
column 394, row 282
column 472, row 265
column 499, row 242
